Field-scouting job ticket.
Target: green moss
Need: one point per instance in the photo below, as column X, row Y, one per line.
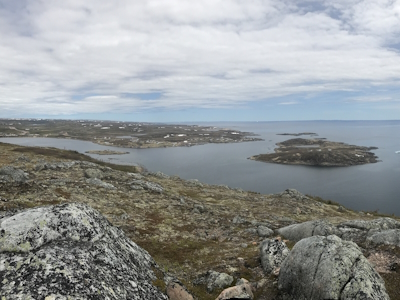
column 159, row 281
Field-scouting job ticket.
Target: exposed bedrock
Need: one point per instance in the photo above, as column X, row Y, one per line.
column 71, row 251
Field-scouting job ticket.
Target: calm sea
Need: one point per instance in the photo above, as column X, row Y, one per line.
column 367, row 187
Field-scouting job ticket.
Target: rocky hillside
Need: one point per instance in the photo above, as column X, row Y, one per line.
column 205, row 237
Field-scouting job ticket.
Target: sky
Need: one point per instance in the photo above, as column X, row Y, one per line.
column 204, row 60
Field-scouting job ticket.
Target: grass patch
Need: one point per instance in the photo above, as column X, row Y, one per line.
column 319, row 199
column 61, row 192
column 190, row 193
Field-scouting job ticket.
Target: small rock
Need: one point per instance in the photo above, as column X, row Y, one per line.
column 150, row 186
column 94, row 173
column 218, row 280
column 194, row 182
column 98, row 182
column 237, row 292
column 200, row 208
column 273, row 253
column 136, row 176
column 238, row 220
column 264, row 231
column 160, row 175
column 136, row 187
column 394, row 267
column 177, row 292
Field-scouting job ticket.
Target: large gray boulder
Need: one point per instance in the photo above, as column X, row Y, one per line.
column 296, row 232
column 329, row 268
column 11, row 174
column 70, row 251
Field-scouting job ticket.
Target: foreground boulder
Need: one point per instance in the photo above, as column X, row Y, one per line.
column 329, row 268
column 70, row 251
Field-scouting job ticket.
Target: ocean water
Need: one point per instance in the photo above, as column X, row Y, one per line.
column 367, row 187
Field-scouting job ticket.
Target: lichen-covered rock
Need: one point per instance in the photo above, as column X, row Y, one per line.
column 63, row 165
column 273, row 253
column 150, row 186
column 11, row 174
column 329, row 268
column 293, row 194
column 99, row 183
column 296, row 232
column 387, row 237
column 380, row 224
column 194, row 182
column 94, row 173
column 213, row 280
column 160, row 175
column 72, row 251
column 218, row 280
column 359, row 230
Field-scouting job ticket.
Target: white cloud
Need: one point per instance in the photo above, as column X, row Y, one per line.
column 289, row 103
column 67, row 57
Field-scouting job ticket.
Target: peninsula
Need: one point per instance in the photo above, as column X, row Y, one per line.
column 318, row 152
column 137, row 135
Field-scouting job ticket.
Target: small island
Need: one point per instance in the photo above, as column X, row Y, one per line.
column 106, row 152
column 318, row 152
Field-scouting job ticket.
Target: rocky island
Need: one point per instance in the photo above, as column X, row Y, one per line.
column 72, row 227
column 318, row 152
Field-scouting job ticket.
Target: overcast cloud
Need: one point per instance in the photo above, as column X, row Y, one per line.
column 74, row 57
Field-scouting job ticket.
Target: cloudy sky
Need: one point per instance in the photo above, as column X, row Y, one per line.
column 204, row 60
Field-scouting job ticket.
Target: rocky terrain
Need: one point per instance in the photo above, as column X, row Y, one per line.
column 318, row 152
column 124, row 134
column 205, row 241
